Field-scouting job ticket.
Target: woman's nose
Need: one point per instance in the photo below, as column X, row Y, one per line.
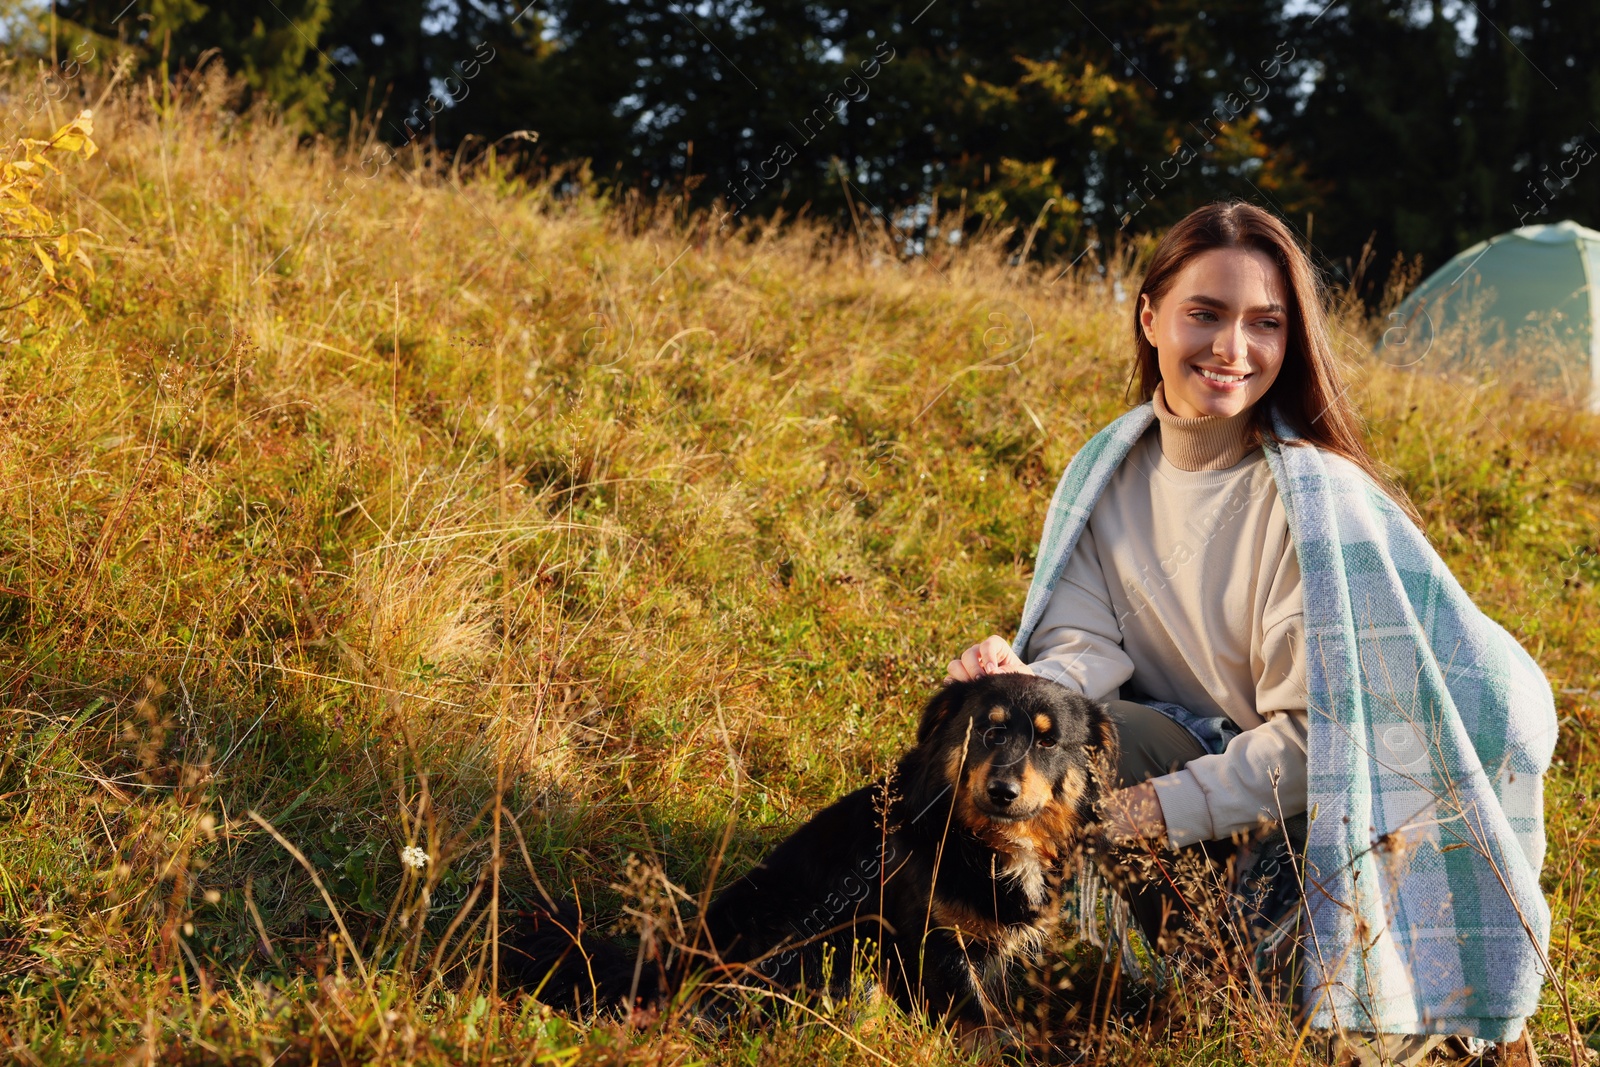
column 1231, row 344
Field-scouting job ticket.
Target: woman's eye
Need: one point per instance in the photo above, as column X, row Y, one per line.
column 1269, row 324
column 1046, row 742
column 1202, row 316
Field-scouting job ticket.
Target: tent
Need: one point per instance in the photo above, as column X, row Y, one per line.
column 1522, row 305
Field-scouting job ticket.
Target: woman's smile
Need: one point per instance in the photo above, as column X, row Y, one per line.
column 1224, row 380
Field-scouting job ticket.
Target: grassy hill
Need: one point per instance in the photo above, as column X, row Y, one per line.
column 385, row 502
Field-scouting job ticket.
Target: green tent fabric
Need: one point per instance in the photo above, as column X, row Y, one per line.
column 1524, row 304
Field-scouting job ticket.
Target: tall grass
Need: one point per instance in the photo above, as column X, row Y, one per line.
column 425, row 505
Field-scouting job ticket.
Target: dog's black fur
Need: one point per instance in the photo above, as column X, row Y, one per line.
column 944, row 870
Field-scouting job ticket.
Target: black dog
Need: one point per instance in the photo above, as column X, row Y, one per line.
column 942, row 872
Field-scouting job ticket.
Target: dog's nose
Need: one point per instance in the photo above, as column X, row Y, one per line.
column 1003, row 793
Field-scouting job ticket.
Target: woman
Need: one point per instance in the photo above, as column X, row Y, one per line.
column 1169, row 585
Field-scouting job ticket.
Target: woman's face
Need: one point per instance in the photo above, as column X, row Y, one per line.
column 1220, row 332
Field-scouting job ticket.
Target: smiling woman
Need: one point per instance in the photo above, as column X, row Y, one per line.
column 1169, row 586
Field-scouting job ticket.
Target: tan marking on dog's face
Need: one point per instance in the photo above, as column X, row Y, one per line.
column 961, row 761
column 953, row 760
column 977, row 780
column 970, row 812
column 1045, row 835
column 998, row 715
column 1042, row 723
column 1036, row 789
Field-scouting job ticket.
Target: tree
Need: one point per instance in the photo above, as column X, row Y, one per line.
column 1434, row 131
column 1420, row 125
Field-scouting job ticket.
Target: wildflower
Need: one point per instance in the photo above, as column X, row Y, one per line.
column 414, row 857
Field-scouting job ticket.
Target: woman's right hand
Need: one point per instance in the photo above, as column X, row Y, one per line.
column 992, row 655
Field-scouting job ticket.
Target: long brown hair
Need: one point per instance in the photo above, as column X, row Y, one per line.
column 1308, row 392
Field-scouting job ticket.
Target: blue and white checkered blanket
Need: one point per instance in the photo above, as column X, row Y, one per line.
column 1430, row 729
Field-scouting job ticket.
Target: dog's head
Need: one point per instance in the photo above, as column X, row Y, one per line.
column 1016, row 748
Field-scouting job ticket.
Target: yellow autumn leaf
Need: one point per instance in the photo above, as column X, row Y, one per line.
column 44, row 260
column 74, row 136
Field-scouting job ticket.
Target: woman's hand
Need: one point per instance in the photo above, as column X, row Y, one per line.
column 1133, row 815
column 992, row 655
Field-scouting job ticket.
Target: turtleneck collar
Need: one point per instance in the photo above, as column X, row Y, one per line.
column 1208, row 443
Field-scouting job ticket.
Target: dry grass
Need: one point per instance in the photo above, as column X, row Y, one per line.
column 358, row 502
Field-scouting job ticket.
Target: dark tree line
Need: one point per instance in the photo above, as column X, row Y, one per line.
column 1421, row 125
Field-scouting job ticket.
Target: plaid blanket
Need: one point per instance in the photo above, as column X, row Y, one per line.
column 1430, row 729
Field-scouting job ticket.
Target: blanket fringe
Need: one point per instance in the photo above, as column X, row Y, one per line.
column 1095, row 898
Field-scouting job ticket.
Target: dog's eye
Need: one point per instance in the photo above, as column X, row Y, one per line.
column 994, row 736
column 1046, row 742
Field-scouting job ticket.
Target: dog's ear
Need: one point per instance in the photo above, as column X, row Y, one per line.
column 944, row 704
column 1106, row 747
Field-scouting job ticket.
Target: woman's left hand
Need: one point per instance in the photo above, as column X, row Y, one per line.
column 1133, row 815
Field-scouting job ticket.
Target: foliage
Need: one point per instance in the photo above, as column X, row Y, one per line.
column 1419, row 127
column 482, row 517
column 40, row 259
column 1435, row 129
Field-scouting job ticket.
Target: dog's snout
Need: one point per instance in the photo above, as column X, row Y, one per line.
column 1002, row 792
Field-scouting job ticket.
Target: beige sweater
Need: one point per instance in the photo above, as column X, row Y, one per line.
column 1185, row 584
